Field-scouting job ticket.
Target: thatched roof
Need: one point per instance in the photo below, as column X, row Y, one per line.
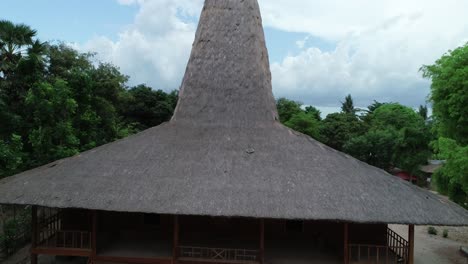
column 225, row 154
column 430, row 168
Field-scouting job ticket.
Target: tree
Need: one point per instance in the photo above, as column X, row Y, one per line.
column 148, row 107
column 305, row 123
column 397, row 116
column 367, row 116
column 287, row 108
column 311, row 110
column 413, row 137
column 371, row 108
column 376, row 147
column 11, row 155
column 338, row 128
column 452, row 178
column 52, row 136
column 403, row 134
column 348, row 105
column 449, row 93
column 13, row 39
column 423, row 112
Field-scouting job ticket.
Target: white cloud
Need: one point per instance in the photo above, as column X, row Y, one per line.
column 155, row 48
column 380, row 46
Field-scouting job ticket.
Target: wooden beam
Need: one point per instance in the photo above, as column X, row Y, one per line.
column 134, row 260
column 62, row 252
column 411, row 244
column 346, row 242
column 262, row 241
column 175, row 245
column 94, row 224
column 34, row 235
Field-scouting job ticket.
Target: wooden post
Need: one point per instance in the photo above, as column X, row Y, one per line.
column 346, row 250
column 34, row 234
column 94, row 223
column 175, row 245
column 411, row 244
column 262, row 241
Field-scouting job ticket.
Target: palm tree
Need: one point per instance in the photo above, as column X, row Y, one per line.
column 15, row 39
column 348, row 105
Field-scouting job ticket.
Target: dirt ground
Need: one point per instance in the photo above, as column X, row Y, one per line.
column 434, row 249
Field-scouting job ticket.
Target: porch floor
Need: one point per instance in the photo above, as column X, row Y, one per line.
column 289, row 252
column 141, row 248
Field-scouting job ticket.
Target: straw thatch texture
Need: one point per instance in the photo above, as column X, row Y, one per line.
column 224, row 154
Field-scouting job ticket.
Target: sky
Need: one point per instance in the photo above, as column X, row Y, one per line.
column 320, row 50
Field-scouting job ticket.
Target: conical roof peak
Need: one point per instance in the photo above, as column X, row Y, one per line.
column 228, row 80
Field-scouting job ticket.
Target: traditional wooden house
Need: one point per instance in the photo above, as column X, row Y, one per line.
column 223, row 181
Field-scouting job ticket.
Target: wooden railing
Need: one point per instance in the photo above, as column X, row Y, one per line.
column 361, row 253
column 397, row 244
column 219, row 254
column 50, row 238
column 394, row 252
column 51, row 222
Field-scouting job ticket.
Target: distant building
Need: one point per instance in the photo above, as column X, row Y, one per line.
column 404, row 175
column 431, row 168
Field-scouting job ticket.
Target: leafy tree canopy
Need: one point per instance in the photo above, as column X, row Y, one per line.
column 449, row 93
column 287, row 108
column 348, row 105
column 56, row 101
column 338, row 128
column 396, row 136
column 305, row 123
column 311, row 110
column 452, row 178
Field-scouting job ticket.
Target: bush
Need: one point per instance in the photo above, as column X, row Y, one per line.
column 431, row 230
column 16, row 232
column 445, row 233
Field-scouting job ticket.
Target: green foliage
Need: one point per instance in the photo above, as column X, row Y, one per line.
column 396, row 116
column 16, row 232
column 305, row 123
column 371, row 108
column 338, row 128
column 396, row 136
column 445, row 233
column 311, row 110
column 348, row 105
column 13, row 38
column 11, row 156
column 287, row 108
column 376, row 147
column 423, row 112
column 148, row 107
column 452, row 178
column 432, row 230
column 449, row 93
column 51, row 108
column 449, row 97
column 56, row 101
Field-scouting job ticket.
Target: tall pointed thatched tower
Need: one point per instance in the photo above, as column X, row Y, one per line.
column 224, row 153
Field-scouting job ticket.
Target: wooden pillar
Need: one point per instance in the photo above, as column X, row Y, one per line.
column 345, row 245
column 175, row 244
column 262, row 241
column 94, row 224
column 34, row 234
column 411, row 244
